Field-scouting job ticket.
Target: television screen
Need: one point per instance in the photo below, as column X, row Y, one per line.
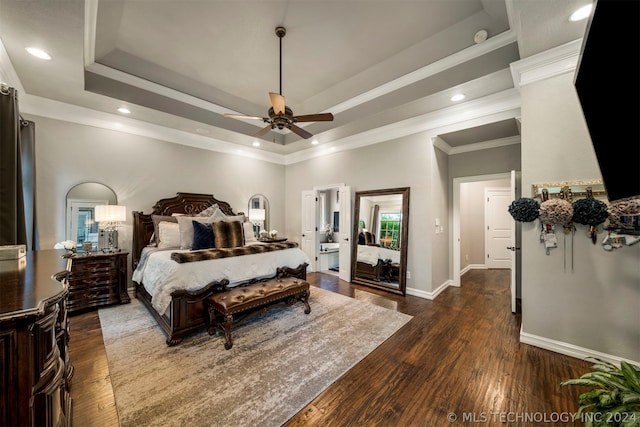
column 607, row 84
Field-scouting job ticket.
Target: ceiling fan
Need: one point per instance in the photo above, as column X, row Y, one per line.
column 280, row 115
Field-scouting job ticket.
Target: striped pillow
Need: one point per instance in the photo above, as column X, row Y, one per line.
column 227, row 234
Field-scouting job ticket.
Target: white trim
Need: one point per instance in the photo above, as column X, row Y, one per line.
column 91, row 22
column 553, row 62
column 495, row 143
column 569, row 349
column 455, row 219
column 472, row 267
column 496, row 42
column 429, row 295
column 149, row 86
column 481, row 111
column 8, row 74
column 45, row 107
column 444, row 64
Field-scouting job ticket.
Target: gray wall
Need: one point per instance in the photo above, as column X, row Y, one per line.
column 594, row 305
column 141, row 171
column 404, row 162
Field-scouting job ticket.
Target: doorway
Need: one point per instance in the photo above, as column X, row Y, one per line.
column 467, row 252
column 326, row 229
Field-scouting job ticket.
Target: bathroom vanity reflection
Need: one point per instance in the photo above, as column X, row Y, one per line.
column 380, row 234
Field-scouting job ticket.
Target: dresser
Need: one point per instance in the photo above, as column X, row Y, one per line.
column 97, row 280
column 35, row 371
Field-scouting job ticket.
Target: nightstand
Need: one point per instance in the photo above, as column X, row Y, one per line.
column 97, row 280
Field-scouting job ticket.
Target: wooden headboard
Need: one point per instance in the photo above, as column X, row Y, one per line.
column 184, row 203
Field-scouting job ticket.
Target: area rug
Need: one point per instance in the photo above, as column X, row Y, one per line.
column 279, row 362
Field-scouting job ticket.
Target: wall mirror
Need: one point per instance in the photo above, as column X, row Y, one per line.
column 258, row 212
column 80, row 217
column 381, row 231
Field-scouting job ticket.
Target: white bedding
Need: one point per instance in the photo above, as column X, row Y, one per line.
column 371, row 254
column 160, row 275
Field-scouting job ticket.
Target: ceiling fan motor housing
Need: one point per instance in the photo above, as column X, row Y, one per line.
column 281, row 120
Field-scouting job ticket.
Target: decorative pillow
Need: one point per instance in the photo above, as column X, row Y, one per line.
column 168, row 235
column 227, row 234
column 209, row 211
column 156, row 220
column 186, row 229
column 249, row 234
column 202, row 236
column 221, row 216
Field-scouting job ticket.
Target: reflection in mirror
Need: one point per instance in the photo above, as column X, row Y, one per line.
column 259, row 214
column 81, row 201
column 381, row 227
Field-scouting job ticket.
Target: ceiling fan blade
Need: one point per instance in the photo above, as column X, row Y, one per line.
column 322, row 117
column 299, row 131
column 242, row 116
column 277, row 101
column 262, row 131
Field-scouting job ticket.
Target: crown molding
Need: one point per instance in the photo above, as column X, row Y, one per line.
column 475, row 112
column 444, row 64
column 553, row 62
column 494, row 107
column 48, row 108
column 8, row 74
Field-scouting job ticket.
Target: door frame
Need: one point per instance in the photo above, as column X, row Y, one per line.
column 456, row 217
column 346, row 268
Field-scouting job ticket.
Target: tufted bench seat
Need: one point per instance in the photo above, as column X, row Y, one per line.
column 236, row 305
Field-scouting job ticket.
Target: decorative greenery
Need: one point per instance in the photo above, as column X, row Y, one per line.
column 615, row 400
column 589, row 211
column 524, row 209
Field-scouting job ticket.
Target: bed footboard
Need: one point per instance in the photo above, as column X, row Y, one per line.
column 188, row 312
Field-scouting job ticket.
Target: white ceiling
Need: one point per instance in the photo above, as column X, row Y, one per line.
column 182, row 64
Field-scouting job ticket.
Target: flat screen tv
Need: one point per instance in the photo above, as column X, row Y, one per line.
column 607, row 84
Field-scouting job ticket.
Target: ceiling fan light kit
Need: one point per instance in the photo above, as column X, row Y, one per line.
column 280, row 115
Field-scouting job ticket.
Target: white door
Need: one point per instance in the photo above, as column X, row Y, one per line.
column 499, row 226
column 345, row 233
column 309, row 231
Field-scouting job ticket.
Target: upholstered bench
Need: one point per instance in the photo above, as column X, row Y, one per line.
column 236, row 305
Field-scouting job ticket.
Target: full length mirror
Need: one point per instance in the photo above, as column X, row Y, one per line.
column 258, row 212
column 81, row 202
column 381, row 231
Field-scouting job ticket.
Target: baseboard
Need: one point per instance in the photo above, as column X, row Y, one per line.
column 473, row 267
column 429, row 295
column 569, row 349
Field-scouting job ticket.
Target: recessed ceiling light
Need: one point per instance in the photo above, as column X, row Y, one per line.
column 315, row 142
column 124, row 110
column 458, row 97
column 256, row 144
column 581, row 13
column 38, row 53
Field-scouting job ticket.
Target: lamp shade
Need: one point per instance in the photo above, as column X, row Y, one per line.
column 110, row 213
column 257, row 215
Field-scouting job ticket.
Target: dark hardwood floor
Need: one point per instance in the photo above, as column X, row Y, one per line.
column 458, row 362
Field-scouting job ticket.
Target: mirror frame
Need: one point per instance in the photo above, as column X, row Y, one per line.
column 402, row 276
column 265, row 204
column 89, row 196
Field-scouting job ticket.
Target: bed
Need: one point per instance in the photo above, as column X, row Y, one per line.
column 376, row 263
column 174, row 282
